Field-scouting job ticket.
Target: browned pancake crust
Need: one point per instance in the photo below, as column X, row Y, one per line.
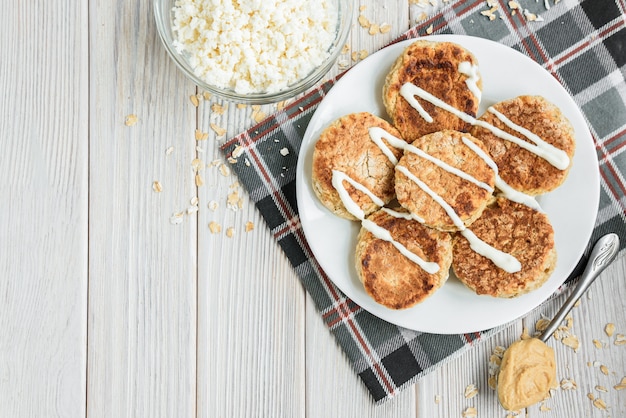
column 389, row 277
column 466, row 198
column 514, row 229
column 346, row 146
column 432, row 66
column 519, row 168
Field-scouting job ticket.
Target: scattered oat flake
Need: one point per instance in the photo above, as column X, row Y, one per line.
column 571, row 341
column 354, row 55
column 590, row 396
column 284, row 151
column 492, row 382
column 194, row 200
column 363, row 21
column 620, row 339
column 601, row 389
column 214, row 227
column 437, row 399
column 363, row 54
column 213, row 205
column 609, row 329
column 374, row 29
column 249, row 226
column 246, row 162
column 362, row 7
column 542, row 324
column 345, row 49
column 280, row 105
column 201, row 136
column 224, row 170
column 600, row 404
column 258, row 116
column 200, row 149
column 230, row 232
column 199, row 180
column 169, row 150
column 621, row 385
column 232, row 200
column 469, row 412
column 429, row 30
column 194, row 100
column 604, row 370
column 218, row 130
column 218, row 108
column 176, row 218
column 197, row 164
column 385, row 28
column 544, row 407
column 422, row 16
column 231, row 160
column 192, row 209
column 131, row 120
column 156, row 186
column 531, row 17
column 470, row 391
column 514, row 5
column 546, row 4
column 568, row 384
column 490, row 13
column 597, row 343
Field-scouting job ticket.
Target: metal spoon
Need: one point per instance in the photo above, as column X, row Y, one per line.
column 602, row 254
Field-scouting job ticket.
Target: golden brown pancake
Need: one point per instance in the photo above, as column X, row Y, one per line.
column 392, row 279
column 466, row 198
column 520, row 168
column 434, row 67
column 514, row 229
column 346, row 146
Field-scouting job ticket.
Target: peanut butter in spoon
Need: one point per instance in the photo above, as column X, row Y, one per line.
column 527, row 373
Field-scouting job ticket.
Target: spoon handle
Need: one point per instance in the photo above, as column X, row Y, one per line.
column 602, row 254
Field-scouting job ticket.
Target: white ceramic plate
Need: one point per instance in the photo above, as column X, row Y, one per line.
column 454, row 308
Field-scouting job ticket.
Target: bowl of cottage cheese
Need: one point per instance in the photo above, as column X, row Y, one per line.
column 254, row 51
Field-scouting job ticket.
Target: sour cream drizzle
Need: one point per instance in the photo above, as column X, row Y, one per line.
column 377, row 134
column 471, row 71
column 379, row 232
column 557, row 157
column 501, row 259
column 506, row 190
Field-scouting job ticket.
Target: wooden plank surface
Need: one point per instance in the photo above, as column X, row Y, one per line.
column 109, row 309
column 142, row 269
column 43, row 207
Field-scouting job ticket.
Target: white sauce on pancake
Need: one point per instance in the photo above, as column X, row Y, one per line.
column 377, row 133
column 503, row 260
column 557, row 157
column 471, row 71
column 379, row 232
column 506, row 190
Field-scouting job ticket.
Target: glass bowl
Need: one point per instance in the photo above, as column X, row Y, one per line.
column 164, row 15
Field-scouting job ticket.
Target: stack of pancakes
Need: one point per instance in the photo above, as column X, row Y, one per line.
column 433, row 202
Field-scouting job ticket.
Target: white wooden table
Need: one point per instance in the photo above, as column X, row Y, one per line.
column 109, row 310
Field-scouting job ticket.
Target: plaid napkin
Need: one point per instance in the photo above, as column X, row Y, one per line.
column 583, row 45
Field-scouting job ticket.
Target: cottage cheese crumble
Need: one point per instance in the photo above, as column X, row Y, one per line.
column 254, row 46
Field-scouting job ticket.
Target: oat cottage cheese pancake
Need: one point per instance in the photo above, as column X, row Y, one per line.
column 538, row 123
column 445, row 70
column 390, row 277
column 443, row 164
column 345, row 150
column 515, row 229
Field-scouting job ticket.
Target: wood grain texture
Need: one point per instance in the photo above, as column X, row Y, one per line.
column 142, row 269
column 43, row 202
